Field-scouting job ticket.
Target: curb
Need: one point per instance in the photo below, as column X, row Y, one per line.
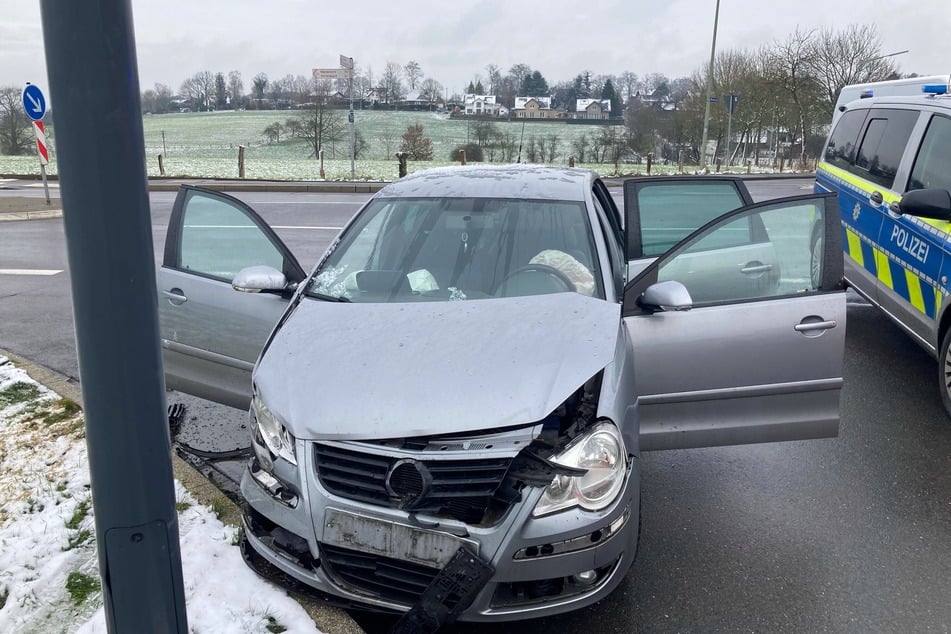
column 31, row 215
column 328, row 619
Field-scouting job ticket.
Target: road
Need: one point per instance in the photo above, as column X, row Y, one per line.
column 850, row 534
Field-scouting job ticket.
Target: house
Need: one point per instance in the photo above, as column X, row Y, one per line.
column 534, row 108
column 487, row 105
column 593, row 109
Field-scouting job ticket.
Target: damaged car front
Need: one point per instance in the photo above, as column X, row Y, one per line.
column 442, row 419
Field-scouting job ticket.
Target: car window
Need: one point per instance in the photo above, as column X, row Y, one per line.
column 669, row 212
column 447, row 249
column 933, row 164
column 842, row 143
column 883, row 144
column 611, row 239
column 761, row 254
column 218, row 239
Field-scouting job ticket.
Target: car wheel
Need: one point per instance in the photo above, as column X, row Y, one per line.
column 815, row 260
column 944, row 371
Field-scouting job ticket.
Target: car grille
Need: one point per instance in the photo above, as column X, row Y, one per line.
column 393, row 580
column 461, row 489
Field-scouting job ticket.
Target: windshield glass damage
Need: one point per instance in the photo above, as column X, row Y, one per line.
column 453, row 249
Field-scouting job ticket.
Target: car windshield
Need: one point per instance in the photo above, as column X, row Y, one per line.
column 450, row 249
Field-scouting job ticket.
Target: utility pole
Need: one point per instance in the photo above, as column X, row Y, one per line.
column 112, row 273
column 706, row 110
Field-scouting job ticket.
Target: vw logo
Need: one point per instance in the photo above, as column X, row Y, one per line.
column 408, row 482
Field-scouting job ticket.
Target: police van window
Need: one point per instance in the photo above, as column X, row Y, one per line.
column 883, row 145
column 841, row 149
column 933, row 165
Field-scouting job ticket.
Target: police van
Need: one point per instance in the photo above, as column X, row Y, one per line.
column 889, row 160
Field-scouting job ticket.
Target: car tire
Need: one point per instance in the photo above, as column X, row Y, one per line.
column 944, row 372
column 815, row 259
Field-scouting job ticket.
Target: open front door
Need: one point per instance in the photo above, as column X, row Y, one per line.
column 212, row 334
column 738, row 344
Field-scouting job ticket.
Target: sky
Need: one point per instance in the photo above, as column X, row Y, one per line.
column 453, row 42
column 44, row 477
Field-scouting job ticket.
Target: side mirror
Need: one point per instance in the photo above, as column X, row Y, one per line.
column 669, row 295
column 257, row 279
column 927, row 203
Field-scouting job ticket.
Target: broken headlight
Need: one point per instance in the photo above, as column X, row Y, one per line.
column 601, row 453
column 276, row 437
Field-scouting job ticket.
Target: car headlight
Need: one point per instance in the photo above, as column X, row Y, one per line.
column 601, row 452
column 280, row 441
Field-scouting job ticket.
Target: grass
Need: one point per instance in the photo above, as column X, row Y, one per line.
column 79, row 514
column 81, row 538
column 19, row 392
column 182, row 506
column 218, row 507
column 61, row 410
column 80, row 586
column 273, row 625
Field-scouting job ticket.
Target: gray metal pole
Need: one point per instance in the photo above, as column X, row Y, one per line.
column 112, row 270
column 706, row 110
column 729, row 129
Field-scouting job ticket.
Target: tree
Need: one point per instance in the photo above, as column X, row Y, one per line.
column 534, row 85
column 479, row 89
column 221, row 91
column 157, row 100
column 15, row 133
column 519, row 72
column 629, row 84
column 273, row 132
column 470, row 89
column 321, row 127
column 236, row 89
column 430, row 90
column 494, row 77
column 416, row 146
column 413, row 74
column 851, row 56
column 608, row 94
column 391, row 83
column 260, row 84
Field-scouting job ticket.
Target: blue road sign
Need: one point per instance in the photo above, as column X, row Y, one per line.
column 34, row 102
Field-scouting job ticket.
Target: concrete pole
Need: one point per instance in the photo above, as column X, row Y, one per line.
column 706, row 109
column 112, row 272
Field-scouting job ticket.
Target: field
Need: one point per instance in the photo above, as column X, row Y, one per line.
column 206, row 144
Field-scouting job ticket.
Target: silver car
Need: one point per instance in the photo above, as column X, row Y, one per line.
column 449, row 411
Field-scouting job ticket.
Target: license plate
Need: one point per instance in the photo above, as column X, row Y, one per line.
column 390, row 539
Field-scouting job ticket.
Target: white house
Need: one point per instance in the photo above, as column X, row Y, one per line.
column 593, row 109
column 482, row 105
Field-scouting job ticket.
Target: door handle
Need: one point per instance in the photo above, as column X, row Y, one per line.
column 175, row 296
column 876, row 198
column 813, row 326
column 755, row 267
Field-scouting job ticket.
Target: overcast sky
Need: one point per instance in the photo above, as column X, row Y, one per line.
column 453, row 41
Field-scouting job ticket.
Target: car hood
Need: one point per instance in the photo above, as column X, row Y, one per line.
column 364, row 371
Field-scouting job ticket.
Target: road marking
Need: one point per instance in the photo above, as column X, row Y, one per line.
column 30, row 271
column 255, row 227
column 302, row 227
column 40, row 185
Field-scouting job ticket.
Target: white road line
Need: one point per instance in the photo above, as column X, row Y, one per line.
column 41, row 184
column 30, row 271
column 302, row 227
column 254, row 227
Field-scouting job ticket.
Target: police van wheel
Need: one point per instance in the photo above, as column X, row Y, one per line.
column 815, row 260
column 944, row 372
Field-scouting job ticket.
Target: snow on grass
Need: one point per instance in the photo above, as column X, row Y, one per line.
column 48, row 565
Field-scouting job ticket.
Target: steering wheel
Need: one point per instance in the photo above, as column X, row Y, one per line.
column 538, row 269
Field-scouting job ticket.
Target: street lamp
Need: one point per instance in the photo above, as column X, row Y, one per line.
column 706, row 109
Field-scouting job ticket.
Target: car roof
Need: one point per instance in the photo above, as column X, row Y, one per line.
column 942, row 101
column 493, row 181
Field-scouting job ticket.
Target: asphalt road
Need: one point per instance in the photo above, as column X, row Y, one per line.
column 845, row 535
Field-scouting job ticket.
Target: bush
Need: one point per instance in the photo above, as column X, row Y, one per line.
column 473, row 153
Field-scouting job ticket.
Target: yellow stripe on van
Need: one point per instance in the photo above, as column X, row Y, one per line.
column 938, row 297
column 884, row 271
column 855, row 247
column 914, row 291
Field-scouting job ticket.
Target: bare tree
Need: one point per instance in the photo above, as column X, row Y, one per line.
column 493, row 76
column 413, row 74
column 322, row 127
column 260, row 85
column 221, row 91
column 851, row 56
column 789, row 66
column 391, row 83
column 628, row 84
column 235, row 89
column 15, row 134
column 430, row 90
column 416, row 145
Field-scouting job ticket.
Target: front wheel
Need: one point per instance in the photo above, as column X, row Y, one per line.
column 944, row 371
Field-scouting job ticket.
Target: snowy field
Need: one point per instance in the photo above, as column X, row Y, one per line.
column 49, row 578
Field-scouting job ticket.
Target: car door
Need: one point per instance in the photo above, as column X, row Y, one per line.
column 211, row 334
column 661, row 211
column 753, row 353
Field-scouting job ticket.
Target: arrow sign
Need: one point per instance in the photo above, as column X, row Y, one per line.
column 34, row 103
column 331, row 73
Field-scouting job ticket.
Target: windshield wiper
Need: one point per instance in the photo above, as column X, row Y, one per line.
column 327, row 298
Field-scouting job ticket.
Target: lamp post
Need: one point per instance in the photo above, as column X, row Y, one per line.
column 706, row 109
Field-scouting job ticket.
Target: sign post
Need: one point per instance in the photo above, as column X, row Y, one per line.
column 34, row 104
column 344, row 72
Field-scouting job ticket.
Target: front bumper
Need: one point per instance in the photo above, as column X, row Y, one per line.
column 377, row 558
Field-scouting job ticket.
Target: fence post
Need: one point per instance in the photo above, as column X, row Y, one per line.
column 650, row 162
column 782, row 161
column 462, row 156
column 401, row 157
column 240, row 161
column 321, row 155
column 749, row 166
column 161, row 167
column 571, row 161
column 680, row 161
